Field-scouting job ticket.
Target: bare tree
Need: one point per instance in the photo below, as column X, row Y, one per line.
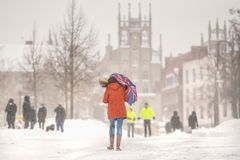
column 71, row 61
column 33, row 64
column 3, row 70
column 233, row 65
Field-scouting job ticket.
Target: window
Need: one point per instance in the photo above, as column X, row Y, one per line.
column 194, row 94
column 201, row 74
column 124, row 38
column 186, row 74
column 194, row 75
column 144, row 39
column 187, row 95
column 171, row 80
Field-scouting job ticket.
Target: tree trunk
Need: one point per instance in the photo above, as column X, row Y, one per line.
column 66, row 100
column 234, row 109
column 216, row 106
column 35, row 88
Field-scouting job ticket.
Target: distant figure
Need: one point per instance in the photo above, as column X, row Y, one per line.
column 131, row 118
column 26, row 111
column 42, row 113
column 168, row 127
column 60, row 117
column 11, row 110
column 32, row 117
column 192, row 121
column 115, row 95
column 147, row 115
column 175, row 121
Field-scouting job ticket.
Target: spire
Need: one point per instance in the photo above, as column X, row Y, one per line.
column 140, row 14
column 129, row 10
column 108, row 47
column 160, row 48
column 225, row 30
column 209, row 31
column 217, row 29
column 119, row 12
column 150, row 12
column 109, row 40
column 119, row 23
column 202, row 40
column 150, row 25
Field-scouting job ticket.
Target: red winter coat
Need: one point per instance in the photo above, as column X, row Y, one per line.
column 115, row 96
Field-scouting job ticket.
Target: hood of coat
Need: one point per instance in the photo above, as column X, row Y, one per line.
column 114, row 86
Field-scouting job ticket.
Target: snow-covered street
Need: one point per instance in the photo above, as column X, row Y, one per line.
column 87, row 140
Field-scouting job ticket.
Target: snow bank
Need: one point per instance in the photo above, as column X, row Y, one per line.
column 73, row 129
column 227, row 128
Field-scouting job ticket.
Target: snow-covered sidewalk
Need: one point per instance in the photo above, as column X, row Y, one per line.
column 87, row 140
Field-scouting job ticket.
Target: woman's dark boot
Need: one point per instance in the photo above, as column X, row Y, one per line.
column 110, row 147
column 119, row 138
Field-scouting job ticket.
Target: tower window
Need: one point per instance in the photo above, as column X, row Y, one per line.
column 187, row 95
column 124, row 38
column 186, row 76
column 194, row 75
column 144, row 39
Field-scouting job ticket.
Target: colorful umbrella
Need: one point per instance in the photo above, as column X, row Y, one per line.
column 131, row 88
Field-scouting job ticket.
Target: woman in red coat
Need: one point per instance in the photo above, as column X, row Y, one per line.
column 115, row 95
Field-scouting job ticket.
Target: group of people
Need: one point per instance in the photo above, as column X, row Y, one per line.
column 175, row 122
column 30, row 117
column 115, row 96
column 147, row 114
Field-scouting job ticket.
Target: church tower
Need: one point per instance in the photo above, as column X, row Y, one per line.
column 217, row 37
column 134, row 32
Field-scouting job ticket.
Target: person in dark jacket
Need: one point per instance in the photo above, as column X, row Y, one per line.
column 32, row 117
column 42, row 113
column 60, row 117
column 26, row 111
column 175, row 121
column 192, row 120
column 11, row 110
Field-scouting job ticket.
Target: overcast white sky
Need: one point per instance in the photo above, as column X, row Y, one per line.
column 180, row 21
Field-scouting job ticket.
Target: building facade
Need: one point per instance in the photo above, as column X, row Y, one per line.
column 135, row 57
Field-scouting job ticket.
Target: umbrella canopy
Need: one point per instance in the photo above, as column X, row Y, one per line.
column 131, row 88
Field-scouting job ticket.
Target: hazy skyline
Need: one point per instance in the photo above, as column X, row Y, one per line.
column 180, row 22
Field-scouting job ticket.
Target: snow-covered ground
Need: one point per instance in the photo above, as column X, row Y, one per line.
column 87, row 140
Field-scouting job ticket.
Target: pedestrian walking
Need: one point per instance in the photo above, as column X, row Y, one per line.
column 175, row 121
column 193, row 121
column 131, row 119
column 147, row 115
column 11, row 110
column 42, row 113
column 26, row 111
column 60, row 117
column 115, row 95
column 32, row 117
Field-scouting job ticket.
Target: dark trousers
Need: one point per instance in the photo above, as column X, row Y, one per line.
column 41, row 124
column 130, row 128
column 32, row 124
column 147, row 126
column 60, row 125
column 11, row 125
column 26, row 123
